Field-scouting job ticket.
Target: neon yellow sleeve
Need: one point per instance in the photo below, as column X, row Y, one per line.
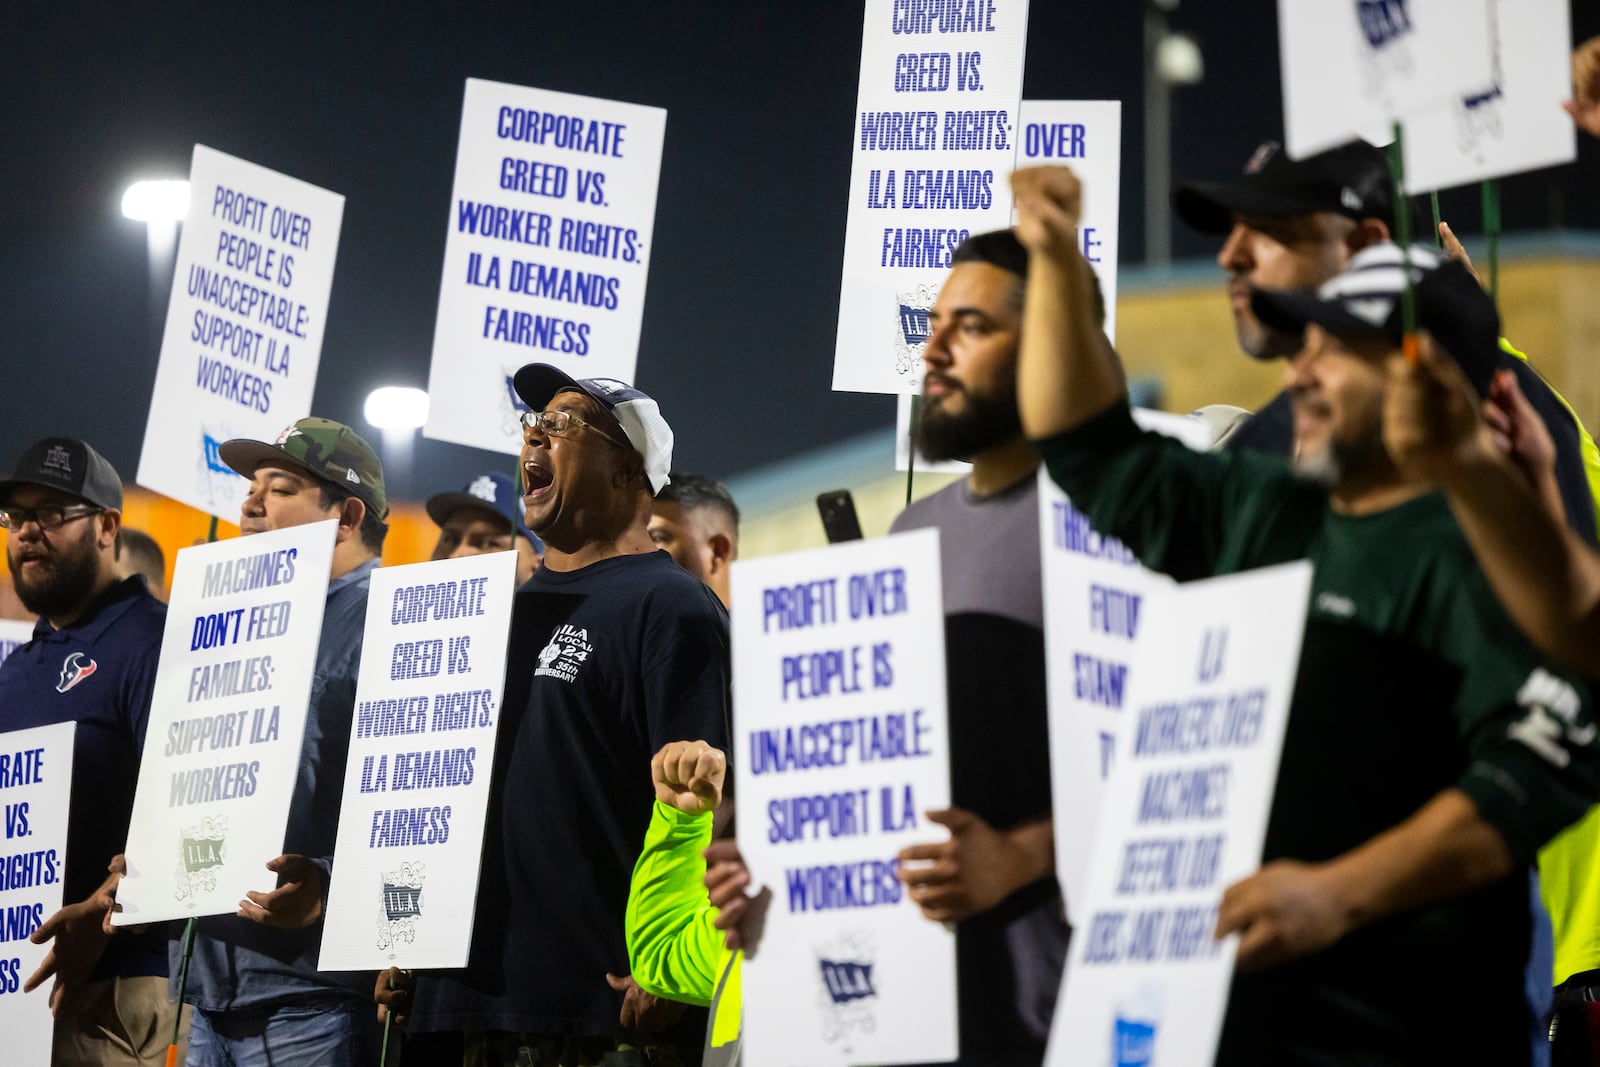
column 1586, row 445
column 672, row 947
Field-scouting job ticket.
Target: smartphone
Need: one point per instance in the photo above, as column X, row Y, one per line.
column 838, row 511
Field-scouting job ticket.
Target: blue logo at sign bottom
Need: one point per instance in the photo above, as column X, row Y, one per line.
column 1133, row 1042
column 1134, row 1025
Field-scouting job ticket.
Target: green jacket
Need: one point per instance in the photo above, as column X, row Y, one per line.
column 673, row 949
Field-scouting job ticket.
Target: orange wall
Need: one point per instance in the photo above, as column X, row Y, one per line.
column 173, row 525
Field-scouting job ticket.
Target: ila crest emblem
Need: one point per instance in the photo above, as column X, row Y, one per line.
column 566, row 653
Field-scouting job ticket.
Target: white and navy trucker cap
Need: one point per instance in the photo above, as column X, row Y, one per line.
column 1365, row 302
column 637, row 412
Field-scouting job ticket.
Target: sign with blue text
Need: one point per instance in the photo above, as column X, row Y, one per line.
column 416, row 787
column 244, row 326
column 935, row 140
column 36, row 791
column 840, row 739
column 1085, row 135
column 1184, row 817
column 1097, row 599
column 13, row 635
column 1353, row 67
column 547, row 251
column 1512, row 123
column 222, row 750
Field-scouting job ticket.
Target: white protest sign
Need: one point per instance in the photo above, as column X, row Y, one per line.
column 840, row 731
column 13, row 635
column 36, row 790
column 1353, row 67
column 935, row 136
column 416, row 787
column 551, row 220
column 1096, row 600
column 1086, row 135
column 1513, row 122
column 222, row 750
column 1184, row 817
column 244, row 325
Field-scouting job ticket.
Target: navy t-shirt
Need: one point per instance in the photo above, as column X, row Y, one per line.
column 100, row 673
column 607, row 663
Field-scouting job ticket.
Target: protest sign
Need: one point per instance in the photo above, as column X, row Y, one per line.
column 1096, row 599
column 1513, row 122
column 935, row 139
column 1085, row 135
column 36, row 791
column 416, row 787
column 1184, row 817
column 13, row 635
column 840, row 740
column 550, row 226
column 1353, row 67
column 222, row 749
column 244, row 326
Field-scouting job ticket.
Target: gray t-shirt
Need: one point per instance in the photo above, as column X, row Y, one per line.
column 1009, row 959
column 989, row 546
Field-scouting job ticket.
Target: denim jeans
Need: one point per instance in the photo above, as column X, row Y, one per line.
column 327, row 1034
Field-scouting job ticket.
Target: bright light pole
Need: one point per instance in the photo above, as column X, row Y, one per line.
column 160, row 205
column 398, row 411
column 1169, row 59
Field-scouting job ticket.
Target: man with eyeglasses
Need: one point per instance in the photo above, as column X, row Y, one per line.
column 615, row 651
column 92, row 660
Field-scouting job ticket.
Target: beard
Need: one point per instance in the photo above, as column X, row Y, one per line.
column 1336, row 463
column 68, row 579
column 988, row 420
column 1260, row 341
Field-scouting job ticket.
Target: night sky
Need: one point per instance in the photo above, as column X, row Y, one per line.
column 739, row 322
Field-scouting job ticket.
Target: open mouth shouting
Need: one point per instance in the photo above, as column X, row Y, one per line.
column 536, row 479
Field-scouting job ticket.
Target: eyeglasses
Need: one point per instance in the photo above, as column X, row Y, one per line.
column 555, row 423
column 45, row 518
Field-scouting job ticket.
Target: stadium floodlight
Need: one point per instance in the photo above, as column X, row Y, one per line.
column 397, row 407
column 166, row 200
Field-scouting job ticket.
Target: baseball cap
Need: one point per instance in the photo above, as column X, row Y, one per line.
column 1351, row 179
column 1365, row 302
column 496, row 492
column 638, row 414
column 70, row 465
column 328, row 451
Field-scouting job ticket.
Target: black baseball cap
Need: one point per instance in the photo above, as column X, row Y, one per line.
column 70, row 465
column 1351, row 180
column 1365, row 303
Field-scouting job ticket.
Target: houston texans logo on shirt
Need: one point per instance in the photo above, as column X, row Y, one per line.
column 74, row 670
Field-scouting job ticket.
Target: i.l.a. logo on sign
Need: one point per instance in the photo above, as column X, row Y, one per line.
column 202, row 848
column 847, row 968
column 401, row 898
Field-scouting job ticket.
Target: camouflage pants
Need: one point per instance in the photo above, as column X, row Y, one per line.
column 500, row 1049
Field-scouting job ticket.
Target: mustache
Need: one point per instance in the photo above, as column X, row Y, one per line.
column 942, row 379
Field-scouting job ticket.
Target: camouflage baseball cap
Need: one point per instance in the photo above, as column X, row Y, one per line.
column 328, row 451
